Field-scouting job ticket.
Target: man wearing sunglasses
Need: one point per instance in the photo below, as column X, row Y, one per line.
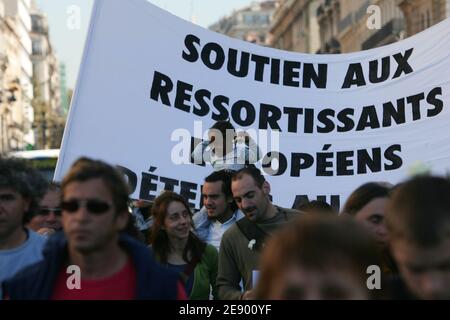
column 112, row 265
column 19, row 192
column 47, row 219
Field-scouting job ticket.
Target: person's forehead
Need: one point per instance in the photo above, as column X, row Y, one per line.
column 339, row 275
column 212, row 187
column 175, row 207
column 91, row 188
column 51, row 197
column 422, row 256
column 8, row 190
column 55, row 193
column 244, row 180
column 243, row 185
column 374, row 206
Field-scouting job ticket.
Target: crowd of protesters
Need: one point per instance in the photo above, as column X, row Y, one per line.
column 85, row 239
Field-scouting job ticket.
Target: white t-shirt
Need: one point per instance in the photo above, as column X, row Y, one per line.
column 217, row 229
column 234, row 160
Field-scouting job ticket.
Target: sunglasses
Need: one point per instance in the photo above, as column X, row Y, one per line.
column 92, row 205
column 46, row 211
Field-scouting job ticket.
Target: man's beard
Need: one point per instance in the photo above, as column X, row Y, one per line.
column 212, row 218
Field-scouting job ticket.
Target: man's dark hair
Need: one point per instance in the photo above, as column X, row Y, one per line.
column 85, row 169
column 419, row 211
column 17, row 175
column 363, row 195
column 252, row 171
column 225, row 128
column 222, row 126
column 225, row 177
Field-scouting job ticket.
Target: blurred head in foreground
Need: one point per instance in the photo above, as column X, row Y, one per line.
column 418, row 220
column 315, row 258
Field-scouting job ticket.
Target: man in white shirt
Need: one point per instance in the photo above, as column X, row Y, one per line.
column 219, row 211
column 226, row 149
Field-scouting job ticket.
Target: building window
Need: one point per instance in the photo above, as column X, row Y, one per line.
column 37, row 48
column 249, row 19
column 37, row 24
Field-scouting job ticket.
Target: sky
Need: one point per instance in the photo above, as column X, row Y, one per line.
column 68, row 42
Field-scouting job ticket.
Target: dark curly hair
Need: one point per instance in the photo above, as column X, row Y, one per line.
column 22, row 178
column 225, row 177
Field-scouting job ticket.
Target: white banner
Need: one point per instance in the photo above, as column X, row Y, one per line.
column 149, row 81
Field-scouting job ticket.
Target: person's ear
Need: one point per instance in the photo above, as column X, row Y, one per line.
column 27, row 203
column 266, row 188
column 122, row 220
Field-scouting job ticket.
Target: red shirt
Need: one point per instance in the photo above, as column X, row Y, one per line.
column 119, row 286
